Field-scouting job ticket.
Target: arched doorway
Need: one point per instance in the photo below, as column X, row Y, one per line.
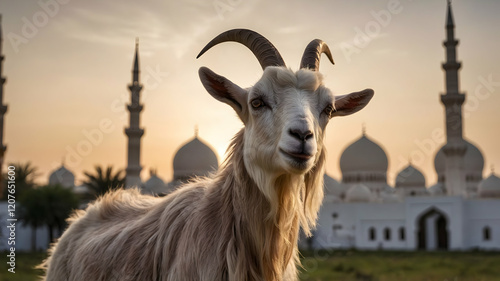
column 432, row 230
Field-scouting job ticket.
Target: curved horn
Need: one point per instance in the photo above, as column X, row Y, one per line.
column 312, row 54
column 265, row 52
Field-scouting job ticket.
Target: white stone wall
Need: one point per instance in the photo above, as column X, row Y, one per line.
column 482, row 213
column 346, row 225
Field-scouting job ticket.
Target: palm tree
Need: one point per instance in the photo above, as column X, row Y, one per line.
column 58, row 202
column 25, row 178
column 47, row 205
column 103, row 181
column 25, row 185
column 32, row 211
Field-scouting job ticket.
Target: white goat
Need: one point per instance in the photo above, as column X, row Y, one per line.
column 241, row 224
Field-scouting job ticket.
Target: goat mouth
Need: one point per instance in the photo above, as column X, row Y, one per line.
column 298, row 157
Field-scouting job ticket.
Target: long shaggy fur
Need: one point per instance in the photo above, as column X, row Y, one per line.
column 222, row 228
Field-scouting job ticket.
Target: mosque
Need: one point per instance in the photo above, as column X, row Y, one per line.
column 459, row 212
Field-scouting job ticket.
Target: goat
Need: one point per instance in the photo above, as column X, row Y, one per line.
column 243, row 222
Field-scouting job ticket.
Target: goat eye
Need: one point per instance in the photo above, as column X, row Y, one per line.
column 257, row 103
column 329, row 110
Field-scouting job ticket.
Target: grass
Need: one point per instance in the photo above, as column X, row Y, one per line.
column 349, row 266
column 400, row 266
column 25, row 263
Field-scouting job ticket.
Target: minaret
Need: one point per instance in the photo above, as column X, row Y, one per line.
column 453, row 100
column 134, row 132
column 3, row 109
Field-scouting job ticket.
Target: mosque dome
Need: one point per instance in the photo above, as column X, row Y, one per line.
column 490, row 187
column 364, row 155
column 63, row 177
column 195, row 158
column 358, row 193
column 410, row 177
column 154, row 185
column 473, row 162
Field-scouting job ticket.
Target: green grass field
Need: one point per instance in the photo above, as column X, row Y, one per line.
column 350, row 266
column 25, row 263
column 401, row 266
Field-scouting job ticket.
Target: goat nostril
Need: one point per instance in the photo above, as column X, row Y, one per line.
column 295, row 134
column 308, row 135
column 300, row 135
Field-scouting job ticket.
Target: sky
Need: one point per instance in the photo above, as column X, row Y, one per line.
column 68, row 64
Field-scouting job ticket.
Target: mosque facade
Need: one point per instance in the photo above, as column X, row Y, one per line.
column 459, row 212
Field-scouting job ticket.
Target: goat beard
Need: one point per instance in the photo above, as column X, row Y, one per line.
column 294, row 202
column 287, row 202
column 291, row 195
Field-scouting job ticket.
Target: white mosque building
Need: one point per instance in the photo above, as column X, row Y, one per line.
column 364, row 212
column 459, row 212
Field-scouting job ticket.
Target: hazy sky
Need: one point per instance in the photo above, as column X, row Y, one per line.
column 68, row 64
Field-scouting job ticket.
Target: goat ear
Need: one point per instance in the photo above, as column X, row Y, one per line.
column 225, row 91
column 351, row 103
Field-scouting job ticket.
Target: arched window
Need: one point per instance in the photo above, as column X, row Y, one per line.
column 387, row 234
column 486, row 233
column 371, row 234
column 402, row 234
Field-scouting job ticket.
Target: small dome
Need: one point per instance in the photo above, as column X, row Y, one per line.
column 63, row 177
column 410, row 177
column 358, row 193
column 195, row 158
column 490, row 187
column 473, row 160
column 437, row 189
column 154, row 185
column 364, row 155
